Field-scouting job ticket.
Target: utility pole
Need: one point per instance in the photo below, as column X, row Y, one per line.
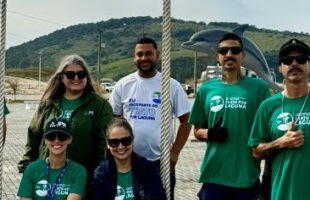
column 195, row 70
column 195, row 74
column 40, row 62
column 99, row 56
column 143, row 31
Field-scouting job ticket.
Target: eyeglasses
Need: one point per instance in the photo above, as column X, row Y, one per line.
column 52, row 136
column 234, row 50
column 287, row 60
column 126, row 141
column 71, row 74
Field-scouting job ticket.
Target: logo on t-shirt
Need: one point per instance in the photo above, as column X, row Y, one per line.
column 120, row 193
column 216, row 104
column 41, row 188
column 124, row 193
column 156, row 97
column 284, row 121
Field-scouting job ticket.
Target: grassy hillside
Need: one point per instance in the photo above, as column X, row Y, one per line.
column 120, row 35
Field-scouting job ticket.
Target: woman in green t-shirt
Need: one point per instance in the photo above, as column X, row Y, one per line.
column 124, row 174
column 56, row 178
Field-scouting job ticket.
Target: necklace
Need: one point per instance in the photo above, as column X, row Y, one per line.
column 301, row 110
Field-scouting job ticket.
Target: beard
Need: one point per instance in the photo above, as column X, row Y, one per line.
column 148, row 70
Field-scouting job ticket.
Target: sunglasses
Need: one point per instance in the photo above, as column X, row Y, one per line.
column 234, row 50
column 71, row 74
column 287, row 60
column 126, row 141
column 52, row 136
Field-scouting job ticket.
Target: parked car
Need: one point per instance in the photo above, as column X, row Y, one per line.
column 107, row 86
column 188, row 89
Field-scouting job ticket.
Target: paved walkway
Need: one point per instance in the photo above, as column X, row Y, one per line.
column 18, row 120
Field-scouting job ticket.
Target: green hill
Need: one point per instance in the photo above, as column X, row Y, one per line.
column 120, row 36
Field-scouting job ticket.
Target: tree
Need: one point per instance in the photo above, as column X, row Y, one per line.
column 13, row 84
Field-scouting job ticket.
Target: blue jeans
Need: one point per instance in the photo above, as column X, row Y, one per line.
column 210, row 191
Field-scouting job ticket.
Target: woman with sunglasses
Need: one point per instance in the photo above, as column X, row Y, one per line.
column 124, row 175
column 71, row 95
column 55, row 177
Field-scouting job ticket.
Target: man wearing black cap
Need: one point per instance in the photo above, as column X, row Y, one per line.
column 282, row 126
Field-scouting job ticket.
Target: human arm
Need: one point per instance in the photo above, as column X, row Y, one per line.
column 77, row 189
column 26, row 186
column 291, row 139
column 74, row 197
column 217, row 133
column 99, row 187
column 103, row 117
column 181, row 138
column 115, row 100
column 201, row 133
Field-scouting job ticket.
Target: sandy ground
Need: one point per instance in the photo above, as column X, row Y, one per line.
column 24, row 86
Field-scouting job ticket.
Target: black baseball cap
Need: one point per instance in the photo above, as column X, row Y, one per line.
column 58, row 125
column 294, row 44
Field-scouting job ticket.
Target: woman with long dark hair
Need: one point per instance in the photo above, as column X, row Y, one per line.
column 70, row 95
column 124, row 175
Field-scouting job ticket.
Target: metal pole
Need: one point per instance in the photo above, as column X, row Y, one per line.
column 99, row 56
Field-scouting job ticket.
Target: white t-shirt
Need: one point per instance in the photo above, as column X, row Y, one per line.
column 138, row 100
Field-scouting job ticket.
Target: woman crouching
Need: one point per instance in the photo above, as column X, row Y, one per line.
column 56, row 177
column 124, row 175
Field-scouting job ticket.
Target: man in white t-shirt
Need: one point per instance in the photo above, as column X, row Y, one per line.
column 137, row 97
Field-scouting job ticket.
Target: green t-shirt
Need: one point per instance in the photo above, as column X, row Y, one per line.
column 34, row 181
column 290, row 168
column 68, row 106
column 229, row 163
column 124, row 186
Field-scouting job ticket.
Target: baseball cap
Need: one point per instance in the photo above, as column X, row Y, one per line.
column 58, row 125
column 294, row 44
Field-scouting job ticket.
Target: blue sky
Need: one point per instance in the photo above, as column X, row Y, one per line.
column 29, row 19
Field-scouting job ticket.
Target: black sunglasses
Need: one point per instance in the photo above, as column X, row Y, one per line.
column 126, row 141
column 71, row 74
column 234, row 50
column 287, row 60
column 52, row 136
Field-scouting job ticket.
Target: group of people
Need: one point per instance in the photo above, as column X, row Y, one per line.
column 81, row 146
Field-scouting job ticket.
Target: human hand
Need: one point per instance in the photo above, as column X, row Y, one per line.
column 292, row 138
column 218, row 133
column 173, row 160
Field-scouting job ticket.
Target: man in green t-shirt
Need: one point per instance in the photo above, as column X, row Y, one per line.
column 281, row 129
column 222, row 114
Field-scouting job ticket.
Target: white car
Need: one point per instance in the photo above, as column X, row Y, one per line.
column 107, row 86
